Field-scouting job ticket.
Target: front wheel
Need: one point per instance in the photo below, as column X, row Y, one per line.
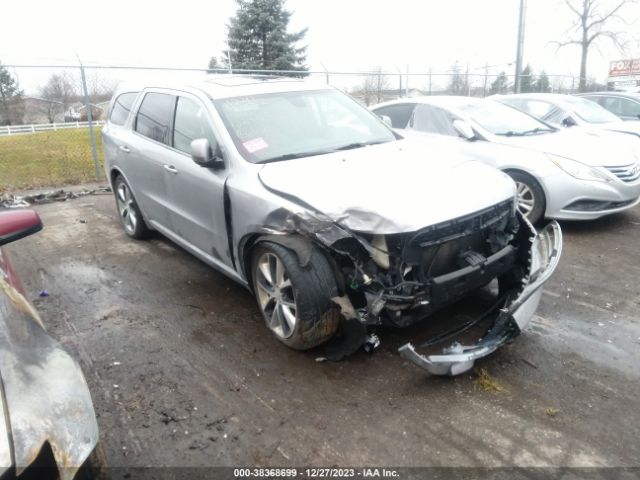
column 531, row 199
column 295, row 300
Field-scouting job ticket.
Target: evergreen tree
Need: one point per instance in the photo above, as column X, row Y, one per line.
column 10, row 96
column 258, row 38
column 499, row 85
column 542, row 83
column 527, row 81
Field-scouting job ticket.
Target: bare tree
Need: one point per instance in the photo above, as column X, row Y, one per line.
column 374, row 86
column 590, row 25
column 59, row 92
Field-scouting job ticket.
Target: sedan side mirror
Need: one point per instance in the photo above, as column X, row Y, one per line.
column 464, row 129
column 568, row 122
column 17, row 224
column 205, row 154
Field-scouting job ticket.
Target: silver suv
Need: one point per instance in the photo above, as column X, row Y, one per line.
column 332, row 220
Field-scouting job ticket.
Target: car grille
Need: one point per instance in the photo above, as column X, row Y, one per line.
column 626, row 173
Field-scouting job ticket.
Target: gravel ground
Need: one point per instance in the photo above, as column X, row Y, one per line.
column 183, row 371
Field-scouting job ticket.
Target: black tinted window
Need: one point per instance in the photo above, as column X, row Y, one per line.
column 434, row 120
column 122, row 107
column 190, row 124
column 399, row 114
column 154, row 116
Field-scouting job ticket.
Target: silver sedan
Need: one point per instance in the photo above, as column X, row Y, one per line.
column 563, row 174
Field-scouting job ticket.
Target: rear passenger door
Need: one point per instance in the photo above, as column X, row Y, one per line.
column 145, row 156
column 196, row 193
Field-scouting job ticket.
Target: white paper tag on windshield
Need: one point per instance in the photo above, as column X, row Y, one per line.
column 255, row 145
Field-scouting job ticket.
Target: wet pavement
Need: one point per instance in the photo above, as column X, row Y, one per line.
column 183, row 371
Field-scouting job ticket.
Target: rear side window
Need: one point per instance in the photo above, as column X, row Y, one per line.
column 122, row 107
column 433, row 120
column 154, row 116
column 190, row 124
column 399, row 114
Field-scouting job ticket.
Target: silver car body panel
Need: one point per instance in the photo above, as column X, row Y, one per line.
column 599, row 149
column 46, row 398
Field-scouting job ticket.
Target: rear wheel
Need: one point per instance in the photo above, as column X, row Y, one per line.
column 295, row 300
column 531, row 199
column 128, row 211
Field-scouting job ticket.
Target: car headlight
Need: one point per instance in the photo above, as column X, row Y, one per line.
column 578, row 170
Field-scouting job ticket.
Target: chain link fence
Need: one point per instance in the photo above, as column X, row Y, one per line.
column 50, row 128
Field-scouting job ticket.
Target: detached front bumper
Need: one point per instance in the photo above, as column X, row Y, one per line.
column 457, row 359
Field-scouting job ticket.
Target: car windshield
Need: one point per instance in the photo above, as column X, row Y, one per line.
column 590, row 111
column 503, row 120
column 286, row 125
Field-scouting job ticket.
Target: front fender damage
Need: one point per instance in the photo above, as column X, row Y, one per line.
column 400, row 279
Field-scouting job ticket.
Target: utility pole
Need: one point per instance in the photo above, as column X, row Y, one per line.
column 520, row 49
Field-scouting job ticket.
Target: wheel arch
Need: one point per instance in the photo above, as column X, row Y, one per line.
column 538, row 181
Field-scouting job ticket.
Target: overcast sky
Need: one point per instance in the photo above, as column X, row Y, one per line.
column 343, row 34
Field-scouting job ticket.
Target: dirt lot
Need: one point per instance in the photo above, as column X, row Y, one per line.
column 184, row 373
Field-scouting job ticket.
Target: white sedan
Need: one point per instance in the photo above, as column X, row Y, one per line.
column 565, row 174
column 569, row 111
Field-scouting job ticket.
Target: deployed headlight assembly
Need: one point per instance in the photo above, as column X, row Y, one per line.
column 577, row 169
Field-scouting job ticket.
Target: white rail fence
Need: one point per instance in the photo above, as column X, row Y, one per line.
column 44, row 127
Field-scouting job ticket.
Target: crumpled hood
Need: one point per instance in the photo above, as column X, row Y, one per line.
column 591, row 147
column 394, row 187
column 46, row 398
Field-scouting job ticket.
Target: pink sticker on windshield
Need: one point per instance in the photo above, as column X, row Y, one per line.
column 255, row 145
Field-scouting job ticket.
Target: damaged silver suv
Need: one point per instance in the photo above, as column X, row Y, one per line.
column 332, row 220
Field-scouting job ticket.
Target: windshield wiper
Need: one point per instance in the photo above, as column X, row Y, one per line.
column 292, row 156
column 533, row 131
column 351, row 146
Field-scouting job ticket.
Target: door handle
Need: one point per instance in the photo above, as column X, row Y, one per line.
column 124, row 148
column 170, row 168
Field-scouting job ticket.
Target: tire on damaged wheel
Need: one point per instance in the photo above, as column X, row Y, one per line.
column 531, row 199
column 295, row 299
column 128, row 210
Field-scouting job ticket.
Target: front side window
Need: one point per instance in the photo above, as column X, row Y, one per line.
column 622, row 107
column 190, row 124
column 286, row 125
column 122, row 107
column 399, row 114
column 154, row 116
column 428, row 118
column 589, row 111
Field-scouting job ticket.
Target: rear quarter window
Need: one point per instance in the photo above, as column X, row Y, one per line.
column 122, row 108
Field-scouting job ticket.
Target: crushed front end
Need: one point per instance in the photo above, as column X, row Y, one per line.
column 400, row 279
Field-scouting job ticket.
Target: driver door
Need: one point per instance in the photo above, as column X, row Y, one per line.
column 196, row 194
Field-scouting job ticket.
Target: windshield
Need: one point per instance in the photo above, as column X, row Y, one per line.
column 286, row 125
column 503, row 120
column 590, row 111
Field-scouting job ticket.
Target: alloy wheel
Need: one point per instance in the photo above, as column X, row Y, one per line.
column 126, row 208
column 275, row 295
column 526, row 199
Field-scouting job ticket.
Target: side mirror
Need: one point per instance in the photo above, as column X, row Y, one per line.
column 464, row 129
column 17, row 224
column 568, row 122
column 386, row 120
column 206, row 155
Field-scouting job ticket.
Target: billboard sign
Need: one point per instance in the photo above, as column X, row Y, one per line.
column 624, row 68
